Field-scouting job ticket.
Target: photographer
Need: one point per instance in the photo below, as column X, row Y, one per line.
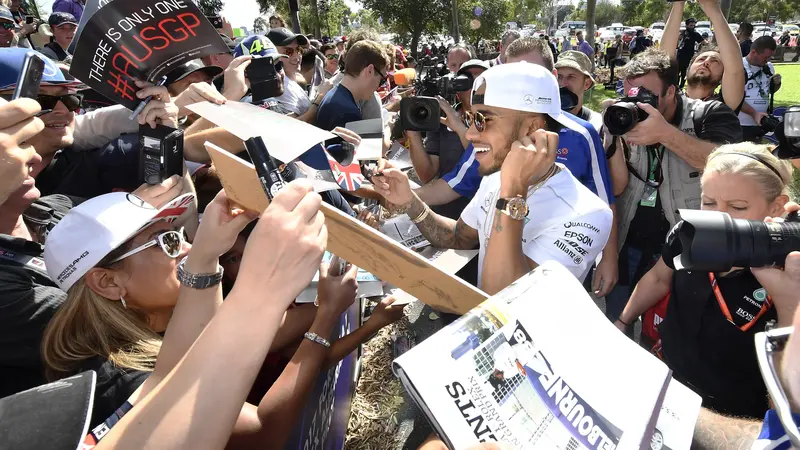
column 714, row 68
column 687, row 46
column 669, row 150
column 761, row 82
column 707, row 334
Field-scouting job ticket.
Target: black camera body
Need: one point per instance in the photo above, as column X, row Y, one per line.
column 160, row 153
column 769, row 124
column 264, row 80
column 624, row 114
column 419, row 114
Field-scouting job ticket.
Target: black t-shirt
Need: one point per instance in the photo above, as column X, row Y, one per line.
column 707, row 352
column 88, row 174
column 718, row 97
column 114, row 386
column 714, row 122
column 745, row 47
column 687, row 43
column 28, row 298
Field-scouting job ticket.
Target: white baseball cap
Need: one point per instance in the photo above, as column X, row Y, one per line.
column 520, row 86
column 95, row 228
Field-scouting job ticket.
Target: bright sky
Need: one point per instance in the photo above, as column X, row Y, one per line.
column 240, row 13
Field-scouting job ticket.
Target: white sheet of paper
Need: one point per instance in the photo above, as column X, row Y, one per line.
column 286, row 138
column 399, row 156
column 371, row 132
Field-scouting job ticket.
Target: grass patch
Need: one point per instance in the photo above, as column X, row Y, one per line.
column 789, row 94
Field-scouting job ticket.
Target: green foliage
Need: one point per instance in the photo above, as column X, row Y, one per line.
column 607, row 13
column 367, row 19
column 412, row 16
column 210, row 7
column 260, row 25
column 334, row 16
column 490, row 24
column 644, row 12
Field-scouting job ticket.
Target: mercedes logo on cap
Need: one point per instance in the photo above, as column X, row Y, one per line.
column 528, row 99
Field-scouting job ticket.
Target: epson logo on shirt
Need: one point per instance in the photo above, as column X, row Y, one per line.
column 71, row 268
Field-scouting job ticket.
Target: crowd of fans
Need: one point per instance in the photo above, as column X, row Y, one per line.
column 102, row 274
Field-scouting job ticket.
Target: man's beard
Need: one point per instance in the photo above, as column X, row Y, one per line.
column 697, row 79
column 497, row 159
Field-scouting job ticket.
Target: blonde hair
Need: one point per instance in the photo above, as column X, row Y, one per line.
column 756, row 162
column 89, row 325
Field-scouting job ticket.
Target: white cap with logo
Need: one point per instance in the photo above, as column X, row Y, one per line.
column 521, row 86
column 95, row 228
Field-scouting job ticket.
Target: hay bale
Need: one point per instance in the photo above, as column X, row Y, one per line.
column 379, row 396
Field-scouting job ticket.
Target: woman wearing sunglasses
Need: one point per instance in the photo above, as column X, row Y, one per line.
column 128, row 273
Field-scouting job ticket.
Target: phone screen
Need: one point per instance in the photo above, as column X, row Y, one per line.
column 30, row 78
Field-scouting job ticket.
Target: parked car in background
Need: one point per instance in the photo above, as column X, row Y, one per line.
column 628, row 35
column 611, row 32
column 569, row 28
column 657, row 31
column 704, row 28
column 734, row 27
column 793, row 29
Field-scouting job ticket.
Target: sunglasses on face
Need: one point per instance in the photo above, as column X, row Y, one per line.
column 478, row 119
column 332, row 56
column 71, row 101
column 289, row 51
column 8, row 26
column 171, row 243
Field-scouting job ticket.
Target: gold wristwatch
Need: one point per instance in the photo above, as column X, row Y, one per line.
column 514, row 207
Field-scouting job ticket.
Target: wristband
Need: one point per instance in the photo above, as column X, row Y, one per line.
column 314, row 337
column 619, row 319
column 422, row 215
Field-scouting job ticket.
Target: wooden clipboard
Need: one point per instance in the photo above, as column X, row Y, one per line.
column 357, row 243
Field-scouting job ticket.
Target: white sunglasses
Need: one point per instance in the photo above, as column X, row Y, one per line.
column 171, row 243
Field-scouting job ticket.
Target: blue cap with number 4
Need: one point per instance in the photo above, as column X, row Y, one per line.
column 11, row 62
column 257, row 45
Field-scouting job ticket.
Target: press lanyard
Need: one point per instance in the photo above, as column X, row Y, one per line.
column 654, row 165
column 724, row 305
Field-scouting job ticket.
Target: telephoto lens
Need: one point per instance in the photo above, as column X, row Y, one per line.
column 713, row 241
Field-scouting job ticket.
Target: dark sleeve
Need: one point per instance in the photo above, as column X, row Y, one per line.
column 672, row 248
column 433, row 143
column 114, row 386
column 745, row 46
column 716, row 122
column 721, row 98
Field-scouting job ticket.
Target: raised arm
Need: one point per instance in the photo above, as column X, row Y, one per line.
column 203, row 399
column 672, row 30
column 733, row 78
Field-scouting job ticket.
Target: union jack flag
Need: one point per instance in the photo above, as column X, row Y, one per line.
column 349, row 177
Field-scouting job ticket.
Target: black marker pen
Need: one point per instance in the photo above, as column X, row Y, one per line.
column 267, row 169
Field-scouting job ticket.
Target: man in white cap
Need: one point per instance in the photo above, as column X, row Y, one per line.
column 528, row 208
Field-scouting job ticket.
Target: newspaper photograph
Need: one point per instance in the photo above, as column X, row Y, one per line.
column 499, row 374
column 402, row 229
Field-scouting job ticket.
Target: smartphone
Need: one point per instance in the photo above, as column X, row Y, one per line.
column 216, row 21
column 263, row 77
column 30, row 78
column 29, row 19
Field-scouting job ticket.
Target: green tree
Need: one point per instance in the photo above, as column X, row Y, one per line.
column 643, row 12
column 260, row 25
column 483, row 19
column 333, row 16
column 210, row 7
column 412, row 16
column 591, row 17
column 607, row 13
column 366, row 18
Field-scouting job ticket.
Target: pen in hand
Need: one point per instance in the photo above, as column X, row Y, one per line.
column 144, row 102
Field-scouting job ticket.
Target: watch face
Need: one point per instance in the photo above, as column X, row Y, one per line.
column 517, row 208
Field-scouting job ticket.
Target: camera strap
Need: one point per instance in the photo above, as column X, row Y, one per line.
column 723, row 305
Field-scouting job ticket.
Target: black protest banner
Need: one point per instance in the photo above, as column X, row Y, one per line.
column 145, row 39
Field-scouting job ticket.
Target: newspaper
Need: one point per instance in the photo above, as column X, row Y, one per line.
column 537, row 366
column 403, row 230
